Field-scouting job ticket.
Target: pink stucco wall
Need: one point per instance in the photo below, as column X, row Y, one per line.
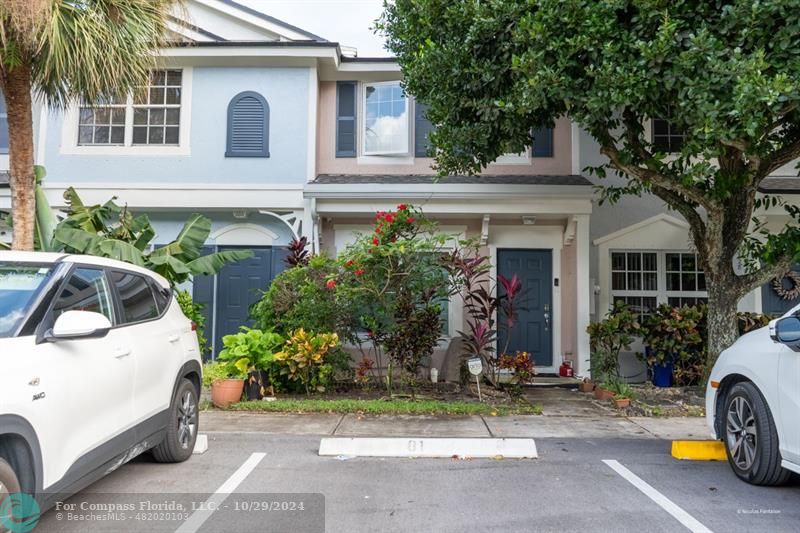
column 328, row 163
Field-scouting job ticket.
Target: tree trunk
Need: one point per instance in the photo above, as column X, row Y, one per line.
column 723, row 329
column 21, row 175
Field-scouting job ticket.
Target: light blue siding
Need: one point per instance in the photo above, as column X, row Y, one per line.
column 286, row 90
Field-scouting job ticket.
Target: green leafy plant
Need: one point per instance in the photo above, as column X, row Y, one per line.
column 303, row 358
column 194, row 312
column 608, row 337
column 521, row 366
column 219, row 370
column 250, row 349
column 108, row 230
column 676, row 335
column 620, row 389
column 751, row 321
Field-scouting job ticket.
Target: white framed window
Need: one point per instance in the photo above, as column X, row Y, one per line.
column 385, row 126
column 645, row 279
column 152, row 121
column 666, row 137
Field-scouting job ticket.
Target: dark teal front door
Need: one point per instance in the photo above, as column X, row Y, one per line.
column 227, row 299
column 533, row 325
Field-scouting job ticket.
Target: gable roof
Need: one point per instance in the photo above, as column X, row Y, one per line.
column 659, row 218
column 216, row 21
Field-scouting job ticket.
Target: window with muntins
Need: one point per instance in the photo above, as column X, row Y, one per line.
column 385, row 124
column 645, row 279
column 248, row 126
column 150, row 117
column 667, row 137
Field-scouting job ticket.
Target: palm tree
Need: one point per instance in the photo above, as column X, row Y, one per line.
column 63, row 51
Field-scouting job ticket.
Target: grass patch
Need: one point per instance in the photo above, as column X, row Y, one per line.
column 386, row 407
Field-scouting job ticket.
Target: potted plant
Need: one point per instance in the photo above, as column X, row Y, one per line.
column 252, row 352
column 226, row 382
column 604, row 391
column 587, row 385
column 622, row 394
column 672, row 337
column 608, row 338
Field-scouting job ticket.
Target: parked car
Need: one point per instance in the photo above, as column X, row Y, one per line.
column 753, row 400
column 97, row 365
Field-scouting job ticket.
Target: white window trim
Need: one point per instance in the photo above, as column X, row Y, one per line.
column 662, row 295
column 69, row 131
column 522, row 158
column 362, row 109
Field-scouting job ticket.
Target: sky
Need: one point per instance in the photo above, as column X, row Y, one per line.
column 347, row 22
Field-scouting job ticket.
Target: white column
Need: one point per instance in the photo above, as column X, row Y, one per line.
column 583, row 291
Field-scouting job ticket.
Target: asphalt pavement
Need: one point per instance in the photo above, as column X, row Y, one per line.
column 577, row 484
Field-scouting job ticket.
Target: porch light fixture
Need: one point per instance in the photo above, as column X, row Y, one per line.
column 240, row 213
column 529, row 220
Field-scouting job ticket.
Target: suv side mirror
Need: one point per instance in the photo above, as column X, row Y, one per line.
column 79, row 325
column 787, row 331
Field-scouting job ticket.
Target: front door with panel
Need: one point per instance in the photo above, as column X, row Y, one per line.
column 532, row 329
column 239, row 285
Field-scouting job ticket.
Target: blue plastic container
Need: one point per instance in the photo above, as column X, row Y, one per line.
column 662, row 374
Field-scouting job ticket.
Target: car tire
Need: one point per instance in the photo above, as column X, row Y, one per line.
column 750, row 437
column 9, row 484
column 182, row 428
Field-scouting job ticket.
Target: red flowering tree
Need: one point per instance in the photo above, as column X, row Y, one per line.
column 397, row 271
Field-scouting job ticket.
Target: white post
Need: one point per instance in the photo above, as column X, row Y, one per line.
column 583, row 290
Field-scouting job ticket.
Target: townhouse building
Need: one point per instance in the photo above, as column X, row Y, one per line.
column 274, row 132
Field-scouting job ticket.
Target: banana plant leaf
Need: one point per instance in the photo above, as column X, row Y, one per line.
column 189, row 242
column 169, row 263
column 46, row 221
column 213, row 263
column 93, row 218
column 122, row 251
column 77, row 240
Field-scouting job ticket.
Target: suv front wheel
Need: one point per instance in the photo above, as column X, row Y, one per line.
column 751, row 440
column 9, row 484
column 178, row 444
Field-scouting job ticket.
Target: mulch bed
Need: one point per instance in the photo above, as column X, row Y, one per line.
column 672, row 401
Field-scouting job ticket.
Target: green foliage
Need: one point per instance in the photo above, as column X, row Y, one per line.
column 250, row 349
column 724, row 72
column 751, row 321
column 194, row 312
column 299, row 298
column 217, row 370
column 397, row 274
column 620, row 389
column 609, row 337
column 393, row 406
column 109, row 230
column 674, row 333
column 303, row 358
column 520, row 365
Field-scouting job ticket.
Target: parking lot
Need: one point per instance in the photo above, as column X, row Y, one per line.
column 568, row 488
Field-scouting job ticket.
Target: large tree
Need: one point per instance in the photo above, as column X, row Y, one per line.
column 725, row 73
column 61, row 51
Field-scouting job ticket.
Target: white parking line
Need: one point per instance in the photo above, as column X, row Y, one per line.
column 665, row 503
column 199, row 517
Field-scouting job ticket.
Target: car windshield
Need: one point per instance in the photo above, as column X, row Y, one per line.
column 19, row 285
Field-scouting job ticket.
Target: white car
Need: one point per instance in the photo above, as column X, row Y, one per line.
column 753, row 402
column 97, row 365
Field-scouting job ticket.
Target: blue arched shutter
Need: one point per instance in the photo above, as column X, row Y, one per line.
column 248, row 126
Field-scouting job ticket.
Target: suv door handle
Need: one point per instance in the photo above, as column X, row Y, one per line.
column 121, row 353
column 174, row 339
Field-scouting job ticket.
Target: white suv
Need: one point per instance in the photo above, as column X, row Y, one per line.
column 97, row 365
column 753, row 401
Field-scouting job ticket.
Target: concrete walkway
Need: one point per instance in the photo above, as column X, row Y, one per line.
column 523, row 426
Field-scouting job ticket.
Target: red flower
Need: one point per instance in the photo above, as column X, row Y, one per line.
column 376, row 241
column 359, row 272
column 390, row 218
column 369, row 334
column 350, row 263
column 331, row 283
column 410, row 220
column 401, row 207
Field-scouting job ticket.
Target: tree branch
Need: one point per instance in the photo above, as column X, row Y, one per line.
column 752, row 280
column 779, row 158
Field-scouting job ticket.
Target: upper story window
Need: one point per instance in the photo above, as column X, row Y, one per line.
column 385, row 125
column 667, row 137
column 248, row 126
column 150, row 117
column 3, row 126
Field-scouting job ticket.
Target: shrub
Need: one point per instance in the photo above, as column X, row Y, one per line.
column 251, row 349
column 217, row 370
column 520, row 365
column 609, row 337
column 678, row 335
column 303, row 358
column 194, row 312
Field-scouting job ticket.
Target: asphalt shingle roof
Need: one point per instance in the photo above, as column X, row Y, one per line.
column 496, row 179
column 780, row 185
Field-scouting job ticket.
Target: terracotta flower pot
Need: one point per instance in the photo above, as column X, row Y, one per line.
column 622, row 403
column 586, row 386
column 603, row 394
column 226, row 391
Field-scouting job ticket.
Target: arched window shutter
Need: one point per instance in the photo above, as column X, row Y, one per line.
column 248, row 126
